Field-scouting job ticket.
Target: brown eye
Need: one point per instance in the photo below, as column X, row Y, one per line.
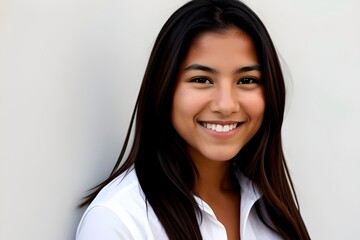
column 247, row 80
column 203, row 80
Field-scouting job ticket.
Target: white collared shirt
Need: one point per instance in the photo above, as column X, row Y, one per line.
column 120, row 212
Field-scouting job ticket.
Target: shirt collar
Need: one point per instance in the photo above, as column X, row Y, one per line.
column 249, row 196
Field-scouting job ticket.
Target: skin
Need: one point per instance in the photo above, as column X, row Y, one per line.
column 219, row 87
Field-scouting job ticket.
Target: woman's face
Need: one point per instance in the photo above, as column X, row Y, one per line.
column 218, row 103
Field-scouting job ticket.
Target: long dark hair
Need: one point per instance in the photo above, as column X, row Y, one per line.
column 165, row 171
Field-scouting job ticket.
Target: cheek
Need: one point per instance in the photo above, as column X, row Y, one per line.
column 186, row 104
column 179, row 104
column 179, row 108
column 258, row 107
column 255, row 106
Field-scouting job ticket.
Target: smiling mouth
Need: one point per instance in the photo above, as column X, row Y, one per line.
column 220, row 127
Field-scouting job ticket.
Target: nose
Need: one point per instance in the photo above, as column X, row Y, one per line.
column 225, row 100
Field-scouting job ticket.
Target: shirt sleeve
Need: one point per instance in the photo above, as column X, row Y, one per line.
column 100, row 223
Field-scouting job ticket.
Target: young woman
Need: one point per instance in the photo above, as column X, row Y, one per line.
column 207, row 159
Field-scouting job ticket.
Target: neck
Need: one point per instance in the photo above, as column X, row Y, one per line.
column 213, row 177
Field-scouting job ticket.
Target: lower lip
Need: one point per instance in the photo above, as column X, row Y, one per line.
column 223, row 135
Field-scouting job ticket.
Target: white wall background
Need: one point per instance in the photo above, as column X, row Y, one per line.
column 70, row 72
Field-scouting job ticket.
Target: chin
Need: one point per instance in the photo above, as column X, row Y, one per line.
column 222, row 157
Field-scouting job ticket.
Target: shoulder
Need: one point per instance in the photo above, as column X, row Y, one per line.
column 122, row 190
column 101, row 223
column 118, row 212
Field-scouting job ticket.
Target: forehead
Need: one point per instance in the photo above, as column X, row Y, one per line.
column 230, row 46
column 231, row 32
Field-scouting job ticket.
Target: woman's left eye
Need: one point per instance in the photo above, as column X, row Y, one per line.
column 247, row 81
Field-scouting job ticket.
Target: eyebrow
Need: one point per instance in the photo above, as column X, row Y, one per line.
column 254, row 67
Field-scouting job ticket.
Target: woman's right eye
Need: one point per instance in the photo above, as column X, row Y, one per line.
column 203, row 80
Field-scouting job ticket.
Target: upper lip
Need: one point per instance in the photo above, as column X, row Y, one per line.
column 220, row 122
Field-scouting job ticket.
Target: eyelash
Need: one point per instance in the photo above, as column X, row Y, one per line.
column 203, row 80
column 249, row 80
column 206, row 80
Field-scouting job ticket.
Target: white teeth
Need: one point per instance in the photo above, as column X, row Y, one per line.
column 220, row 128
